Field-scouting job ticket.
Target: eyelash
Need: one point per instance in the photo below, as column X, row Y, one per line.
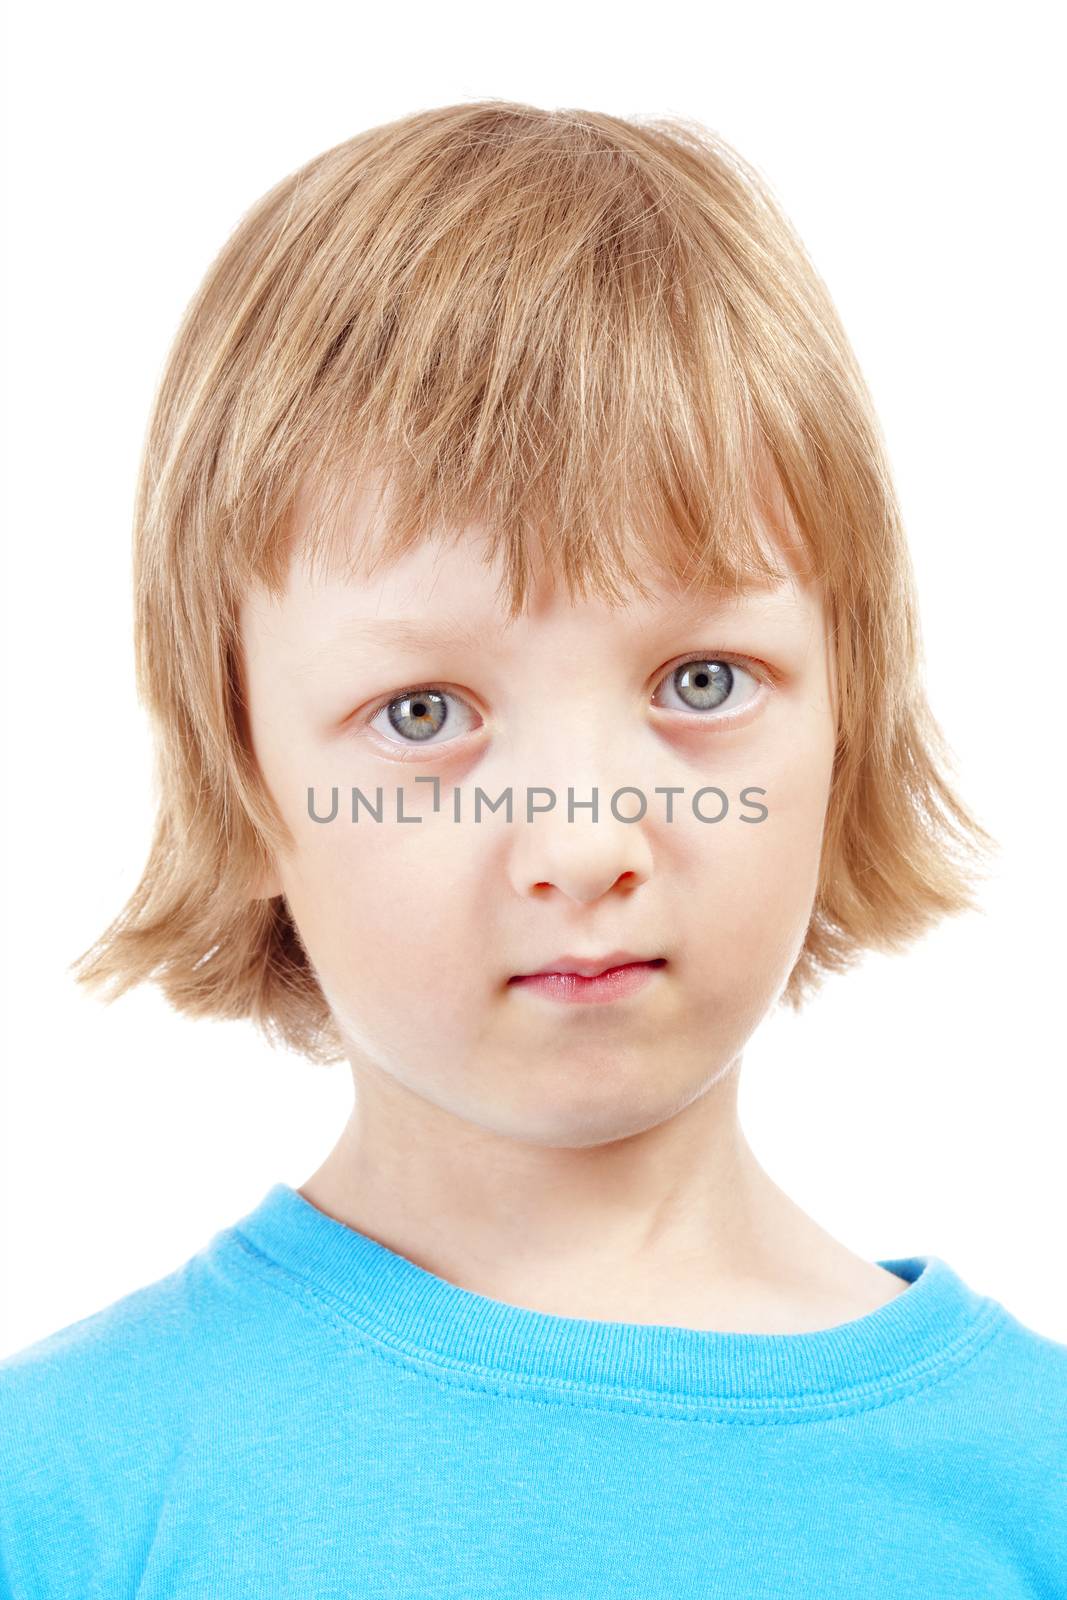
column 758, row 670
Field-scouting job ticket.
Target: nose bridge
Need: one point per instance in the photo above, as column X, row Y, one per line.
column 582, row 748
column 583, row 731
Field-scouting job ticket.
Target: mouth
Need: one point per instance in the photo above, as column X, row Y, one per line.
column 613, row 981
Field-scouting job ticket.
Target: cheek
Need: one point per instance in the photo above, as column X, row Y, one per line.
column 754, row 883
column 385, row 911
column 392, row 922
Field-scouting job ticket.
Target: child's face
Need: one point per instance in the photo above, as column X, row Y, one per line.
column 415, row 928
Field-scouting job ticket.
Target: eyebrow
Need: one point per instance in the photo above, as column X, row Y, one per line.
column 449, row 632
column 458, row 632
column 432, row 633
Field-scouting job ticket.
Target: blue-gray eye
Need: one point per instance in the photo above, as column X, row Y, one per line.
column 701, row 685
column 419, row 715
column 706, row 684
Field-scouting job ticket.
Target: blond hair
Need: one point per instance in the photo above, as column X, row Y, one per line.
column 562, row 324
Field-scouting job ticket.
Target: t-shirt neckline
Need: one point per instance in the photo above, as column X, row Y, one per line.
column 416, row 1314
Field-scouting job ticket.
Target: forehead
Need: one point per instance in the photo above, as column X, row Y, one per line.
column 452, row 587
column 451, row 591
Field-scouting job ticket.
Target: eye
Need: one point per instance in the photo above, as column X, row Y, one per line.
column 706, row 684
column 418, row 715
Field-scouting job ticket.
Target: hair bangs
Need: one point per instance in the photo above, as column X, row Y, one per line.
column 540, row 339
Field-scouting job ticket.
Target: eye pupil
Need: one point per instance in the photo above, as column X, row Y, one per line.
column 419, row 716
column 704, row 685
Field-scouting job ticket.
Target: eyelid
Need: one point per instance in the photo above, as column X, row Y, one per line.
column 761, row 670
column 411, row 750
column 416, row 689
column 731, row 657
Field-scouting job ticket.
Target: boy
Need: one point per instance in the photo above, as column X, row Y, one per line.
column 512, row 497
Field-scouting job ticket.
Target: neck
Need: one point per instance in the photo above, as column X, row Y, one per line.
column 678, row 1224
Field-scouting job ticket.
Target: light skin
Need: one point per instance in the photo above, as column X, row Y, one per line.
column 580, row 1160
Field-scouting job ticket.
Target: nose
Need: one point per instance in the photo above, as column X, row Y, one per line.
column 581, row 858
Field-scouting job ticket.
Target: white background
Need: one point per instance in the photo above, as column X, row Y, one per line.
column 917, row 1107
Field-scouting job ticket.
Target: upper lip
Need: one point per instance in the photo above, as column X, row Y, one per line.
column 589, row 966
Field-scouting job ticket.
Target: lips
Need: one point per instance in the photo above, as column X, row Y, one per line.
column 593, row 966
column 613, row 983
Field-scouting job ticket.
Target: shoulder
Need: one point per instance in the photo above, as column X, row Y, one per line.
column 104, row 1355
column 94, row 1416
column 1030, row 1390
column 1032, row 1367
column 127, row 1367
column 148, row 1358
column 1005, row 1435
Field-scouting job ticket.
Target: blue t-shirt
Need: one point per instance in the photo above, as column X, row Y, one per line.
column 300, row 1413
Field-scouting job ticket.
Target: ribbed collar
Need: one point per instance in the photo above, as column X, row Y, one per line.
column 937, row 1319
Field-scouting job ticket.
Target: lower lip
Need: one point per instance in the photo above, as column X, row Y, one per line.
column 572, row 988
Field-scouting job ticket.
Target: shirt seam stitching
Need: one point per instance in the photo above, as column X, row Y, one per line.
column 584, row 1395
